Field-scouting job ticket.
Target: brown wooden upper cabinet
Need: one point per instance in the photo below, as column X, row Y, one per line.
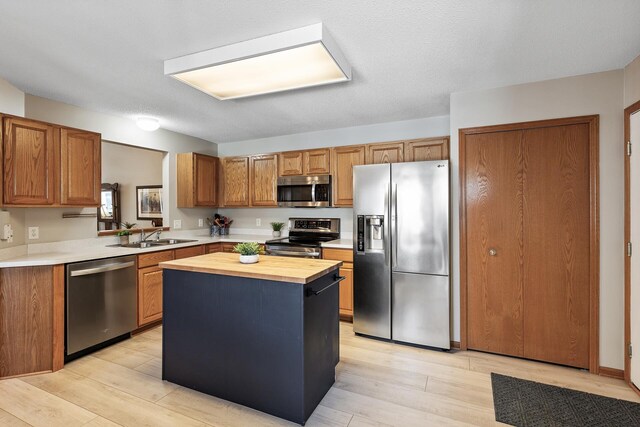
column 46, row 165
column 316, row 162
column 343, row 159
column 291, row 163
column 264, row 176
column 236, row 181
column 197, row 180
column 385, row 153
column 417, row 150
column 309, row 162
column 30, row 152
column 80, row 167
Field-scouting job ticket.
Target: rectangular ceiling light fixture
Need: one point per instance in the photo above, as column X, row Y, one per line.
column 294, row 59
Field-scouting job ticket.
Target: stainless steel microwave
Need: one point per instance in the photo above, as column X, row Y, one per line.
column 304, row 191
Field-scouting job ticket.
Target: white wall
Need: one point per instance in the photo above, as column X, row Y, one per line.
column 600, row 93
column 244, row 220
column 124, row 131
column 12, row 102
column 392, row 131
column 11, row 99
column 380, row 132
column 130, row 167
column 632, row 82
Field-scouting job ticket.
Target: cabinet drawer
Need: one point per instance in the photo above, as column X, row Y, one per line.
column 213, row 247
column 189, row 252
column 345, row 255
column 154, row 258
column 228, row 247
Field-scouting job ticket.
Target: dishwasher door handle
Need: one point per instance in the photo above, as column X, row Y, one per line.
column 103, row 269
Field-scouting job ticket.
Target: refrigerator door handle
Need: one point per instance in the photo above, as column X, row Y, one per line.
column 394, row 221
column 387, row 234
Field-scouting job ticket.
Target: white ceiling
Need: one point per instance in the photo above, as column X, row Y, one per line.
column 407, row 55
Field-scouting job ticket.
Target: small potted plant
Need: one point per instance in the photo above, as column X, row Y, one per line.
column 249, row 252
column 124, row 234
column 277, row 228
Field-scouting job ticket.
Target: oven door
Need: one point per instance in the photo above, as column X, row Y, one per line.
column 304, row 191
column 294, row 251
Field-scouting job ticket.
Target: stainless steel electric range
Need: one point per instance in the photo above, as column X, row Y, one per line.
column 305, row 237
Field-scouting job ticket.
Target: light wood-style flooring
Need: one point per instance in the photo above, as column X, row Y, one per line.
column 377, row 384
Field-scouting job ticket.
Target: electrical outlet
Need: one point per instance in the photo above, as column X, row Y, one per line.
column 200, row 222
column 258, row 222
column 34, row 233
column 7, row 233
column 177, row 224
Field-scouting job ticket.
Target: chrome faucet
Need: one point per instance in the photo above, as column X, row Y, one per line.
column 144, row 238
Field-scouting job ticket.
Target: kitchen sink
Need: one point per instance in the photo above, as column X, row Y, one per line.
column 152, row 243
column 171, row 241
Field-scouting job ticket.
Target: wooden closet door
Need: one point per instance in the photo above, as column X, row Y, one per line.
column 493, row 203
column 556, row 244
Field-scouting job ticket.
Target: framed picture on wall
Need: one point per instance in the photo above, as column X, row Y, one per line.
column 149, row 201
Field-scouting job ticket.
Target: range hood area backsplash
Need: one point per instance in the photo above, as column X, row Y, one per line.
column 245, row 219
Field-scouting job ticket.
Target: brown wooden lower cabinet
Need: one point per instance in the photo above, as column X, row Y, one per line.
column 149, row 295
column 189, row 252
column 346, row 286
column 150, row 285
column 31, row 320
column 150, row 279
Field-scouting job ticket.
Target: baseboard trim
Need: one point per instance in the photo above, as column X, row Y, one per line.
column 611, row 372
column 145, row 328
column 455, row 344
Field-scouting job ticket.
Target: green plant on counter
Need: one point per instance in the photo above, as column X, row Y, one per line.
column 277, row 226
column 247, row 248
column 127, row 229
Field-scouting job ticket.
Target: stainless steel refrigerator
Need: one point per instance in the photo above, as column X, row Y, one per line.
column 401, row 252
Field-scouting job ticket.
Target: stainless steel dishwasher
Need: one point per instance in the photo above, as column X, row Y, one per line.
column 101, row 302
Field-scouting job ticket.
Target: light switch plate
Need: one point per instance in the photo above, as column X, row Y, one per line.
column 177, row 224
column 258, row 222
column 34, row 233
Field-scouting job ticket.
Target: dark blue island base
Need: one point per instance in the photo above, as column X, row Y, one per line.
column 269, row 345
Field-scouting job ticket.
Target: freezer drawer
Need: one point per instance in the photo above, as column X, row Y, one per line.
column 371, row 296
column 420, row 309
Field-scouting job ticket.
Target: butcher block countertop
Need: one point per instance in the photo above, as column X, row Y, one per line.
column 281, row 269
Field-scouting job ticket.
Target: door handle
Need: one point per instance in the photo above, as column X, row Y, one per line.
column 394, row 220
column 493, row 252
column 386, row 229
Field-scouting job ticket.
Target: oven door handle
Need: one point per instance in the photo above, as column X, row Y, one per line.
column 292, row 253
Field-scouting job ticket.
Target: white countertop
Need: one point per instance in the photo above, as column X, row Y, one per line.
column 339, row 244
column 68, row 252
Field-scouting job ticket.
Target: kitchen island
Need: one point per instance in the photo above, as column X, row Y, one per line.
column 263, row 335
